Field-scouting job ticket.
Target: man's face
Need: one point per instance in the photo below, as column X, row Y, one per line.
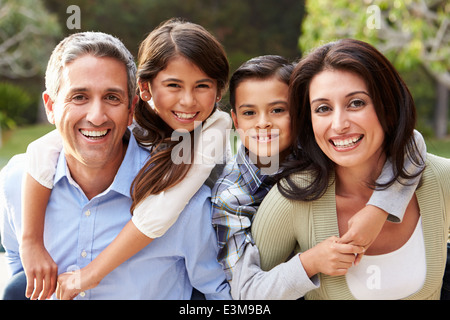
column 91, row 111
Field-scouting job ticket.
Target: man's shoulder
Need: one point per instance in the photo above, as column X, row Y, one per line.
column 11, row 175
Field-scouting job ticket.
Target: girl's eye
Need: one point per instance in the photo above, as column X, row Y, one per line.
column 173, row 85
column 278, row 110
column 203, row 86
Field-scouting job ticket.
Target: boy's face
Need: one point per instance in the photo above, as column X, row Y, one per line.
column 262, row 117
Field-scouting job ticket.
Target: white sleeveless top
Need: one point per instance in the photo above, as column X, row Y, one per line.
column 393, row 275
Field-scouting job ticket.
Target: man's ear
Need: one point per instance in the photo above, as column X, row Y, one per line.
column 48, row 103
column 132, row 108
column 144, row 90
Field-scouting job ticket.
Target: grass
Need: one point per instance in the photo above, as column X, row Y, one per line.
column 16, row 141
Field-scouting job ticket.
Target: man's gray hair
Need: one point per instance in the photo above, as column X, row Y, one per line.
column 97, row 44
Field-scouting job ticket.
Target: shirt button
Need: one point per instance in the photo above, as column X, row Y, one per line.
column 84, row 254
column 87, row 213
column 82, row 294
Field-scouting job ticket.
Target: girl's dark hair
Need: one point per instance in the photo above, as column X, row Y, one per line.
column 262, row 67
column 172, row 38
column 393, row 103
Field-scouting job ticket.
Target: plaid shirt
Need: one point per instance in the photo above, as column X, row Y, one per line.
column 236, row 197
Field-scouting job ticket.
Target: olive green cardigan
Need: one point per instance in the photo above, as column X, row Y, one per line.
column 282, row 226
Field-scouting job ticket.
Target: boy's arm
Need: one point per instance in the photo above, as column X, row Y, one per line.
column 391, row 203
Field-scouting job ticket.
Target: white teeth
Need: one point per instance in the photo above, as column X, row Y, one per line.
column 346, row 142
column 185, row 115
column 94, row 134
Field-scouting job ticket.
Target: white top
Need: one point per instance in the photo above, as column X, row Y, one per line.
column 393, row 275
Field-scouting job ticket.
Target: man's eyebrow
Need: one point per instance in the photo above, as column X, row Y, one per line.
column 83, row 89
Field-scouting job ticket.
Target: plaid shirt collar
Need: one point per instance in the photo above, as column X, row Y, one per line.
column 250, row 172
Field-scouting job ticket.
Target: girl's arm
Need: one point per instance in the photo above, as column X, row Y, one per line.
column 148, row 222
column 147, row 216
column 39, row 267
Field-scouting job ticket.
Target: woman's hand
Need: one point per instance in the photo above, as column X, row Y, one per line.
column 329, row 257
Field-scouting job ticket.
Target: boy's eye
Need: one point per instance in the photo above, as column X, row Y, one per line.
column 248, row 113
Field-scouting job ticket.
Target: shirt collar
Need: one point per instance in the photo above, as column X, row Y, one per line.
column 133, row 161
column 250, row 172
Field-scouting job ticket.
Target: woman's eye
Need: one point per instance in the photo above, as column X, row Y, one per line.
column 357, row 103
column 322, row 109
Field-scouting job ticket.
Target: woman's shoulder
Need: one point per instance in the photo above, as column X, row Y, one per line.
column 439, row 165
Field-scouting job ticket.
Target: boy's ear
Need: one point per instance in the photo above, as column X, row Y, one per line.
column 48, row 103
column 235, row 120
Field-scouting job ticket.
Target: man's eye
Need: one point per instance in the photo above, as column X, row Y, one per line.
column 79, row 98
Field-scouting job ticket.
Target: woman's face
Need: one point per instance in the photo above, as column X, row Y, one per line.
column 344, row 120
column 182, row 94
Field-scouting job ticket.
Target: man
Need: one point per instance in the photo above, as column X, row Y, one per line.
column 90, row 99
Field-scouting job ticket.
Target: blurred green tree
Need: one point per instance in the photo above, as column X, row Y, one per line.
column 27, row 30
column 411, row 33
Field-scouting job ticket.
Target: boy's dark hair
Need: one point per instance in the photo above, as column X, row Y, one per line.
column 262, row 67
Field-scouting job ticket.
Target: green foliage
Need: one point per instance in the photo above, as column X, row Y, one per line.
column 27, row 33
column 17, row 107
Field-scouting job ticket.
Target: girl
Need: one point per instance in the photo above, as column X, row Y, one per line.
column 182, row 73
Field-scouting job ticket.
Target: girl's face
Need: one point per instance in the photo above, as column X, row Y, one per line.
column 345, row 124
column 182, row 94
column 262, row 116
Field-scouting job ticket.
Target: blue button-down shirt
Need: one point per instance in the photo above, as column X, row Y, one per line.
column 78, row 229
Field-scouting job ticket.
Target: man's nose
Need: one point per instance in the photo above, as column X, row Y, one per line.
column 96, row 113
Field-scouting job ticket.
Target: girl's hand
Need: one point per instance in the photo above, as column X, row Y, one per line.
column 40, row 269
column 70, row 284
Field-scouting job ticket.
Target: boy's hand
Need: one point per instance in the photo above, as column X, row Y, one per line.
column 364, row 227
column 40, row 269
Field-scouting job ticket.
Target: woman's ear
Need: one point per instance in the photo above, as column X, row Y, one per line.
column 144, row 90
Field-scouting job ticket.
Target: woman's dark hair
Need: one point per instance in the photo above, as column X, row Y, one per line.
column 393, row 104
column 262, row 67
column 171, row 39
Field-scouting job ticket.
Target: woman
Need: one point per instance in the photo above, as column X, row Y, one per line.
column 356, row 113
